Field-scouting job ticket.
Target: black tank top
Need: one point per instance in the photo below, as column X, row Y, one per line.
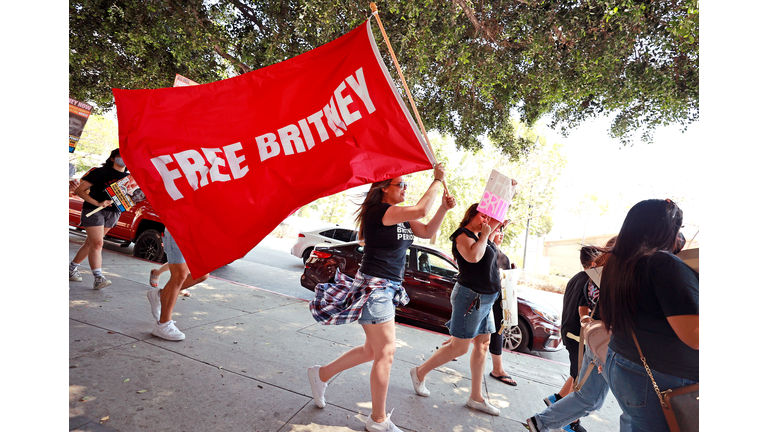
column 481, row 277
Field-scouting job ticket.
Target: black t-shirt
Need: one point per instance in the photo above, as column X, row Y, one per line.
column 502, row 261
column 483, row 276
column 668, row 287
column 589, row 295
column 100, row 178
column 385, row 246
column 572, row 298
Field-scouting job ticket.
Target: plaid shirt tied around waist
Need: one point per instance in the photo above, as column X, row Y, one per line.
column 342, row 302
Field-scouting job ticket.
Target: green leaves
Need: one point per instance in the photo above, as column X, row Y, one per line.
column 468, row 68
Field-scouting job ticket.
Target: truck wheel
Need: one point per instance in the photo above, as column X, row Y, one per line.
column 149, row 246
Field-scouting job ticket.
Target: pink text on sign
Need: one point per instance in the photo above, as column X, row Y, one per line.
column 493, row 205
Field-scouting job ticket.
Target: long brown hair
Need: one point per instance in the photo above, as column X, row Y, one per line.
column 373, row 196
column 651, row 226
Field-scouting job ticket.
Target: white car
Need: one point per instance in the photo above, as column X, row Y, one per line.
column 326, row 236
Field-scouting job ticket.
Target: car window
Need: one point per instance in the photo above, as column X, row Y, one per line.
column 327, row 233
column 436, row 265
column 345, row 235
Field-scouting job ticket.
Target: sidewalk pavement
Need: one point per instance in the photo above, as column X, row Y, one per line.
column 243, row 366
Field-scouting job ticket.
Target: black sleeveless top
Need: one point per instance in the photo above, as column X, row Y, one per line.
column 481, row 277
column 385, row 246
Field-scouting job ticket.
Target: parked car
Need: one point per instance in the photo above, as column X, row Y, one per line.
column 430, row 275
column 307, row 240
column 139, row 225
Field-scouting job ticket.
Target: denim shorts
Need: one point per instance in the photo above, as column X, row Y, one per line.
column 379, row 308
column 105, row 218
column 172, row 250
column 467, row 322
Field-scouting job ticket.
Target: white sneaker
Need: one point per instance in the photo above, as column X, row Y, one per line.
column 419, row 386
column 153, row 296
column 385, row 426
column 168, row 331
column 101, row 282
column 317, row 385
column 483, row 406
column 75, row 276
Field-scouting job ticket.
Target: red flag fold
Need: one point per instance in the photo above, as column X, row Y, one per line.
column 224, row 163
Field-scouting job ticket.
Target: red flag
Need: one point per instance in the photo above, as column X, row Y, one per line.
column 224, row 163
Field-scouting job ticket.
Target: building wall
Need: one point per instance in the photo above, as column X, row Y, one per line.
column 564, row 254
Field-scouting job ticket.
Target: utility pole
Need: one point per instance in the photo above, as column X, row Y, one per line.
column 527, row 226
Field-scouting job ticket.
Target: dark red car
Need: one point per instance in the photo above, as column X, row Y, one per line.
column 430, row 275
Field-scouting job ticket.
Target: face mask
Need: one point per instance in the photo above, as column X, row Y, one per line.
column 119, row 161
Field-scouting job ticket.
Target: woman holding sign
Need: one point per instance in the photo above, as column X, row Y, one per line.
column 472, row 299
column 387, row 231
column 92, row 190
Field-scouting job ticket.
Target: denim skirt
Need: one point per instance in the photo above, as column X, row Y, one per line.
column 472, row 313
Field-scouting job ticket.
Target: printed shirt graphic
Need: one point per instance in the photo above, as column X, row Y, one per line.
column 224, row 163
column 385, row 246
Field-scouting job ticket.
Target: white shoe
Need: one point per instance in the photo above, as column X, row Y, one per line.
column 153, row 296
column 168, row 331
column 483, row 406
column 385, row 426
column 75, row 276
column 101, row 282
column 317, row 385
column 419, row 386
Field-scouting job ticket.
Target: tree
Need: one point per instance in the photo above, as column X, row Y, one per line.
column 98, row 139
column 469, row 64
column 535, row 170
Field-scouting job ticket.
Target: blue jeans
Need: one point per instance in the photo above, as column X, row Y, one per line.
column 634, row 391
column 580, row 403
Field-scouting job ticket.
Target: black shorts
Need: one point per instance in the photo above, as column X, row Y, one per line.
column 105, row 218
column 573, row 354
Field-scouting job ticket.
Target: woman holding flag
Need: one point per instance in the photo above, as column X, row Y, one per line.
column 387, row 231
column 99, row 215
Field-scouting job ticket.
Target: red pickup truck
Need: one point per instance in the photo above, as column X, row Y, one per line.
column 139, row 225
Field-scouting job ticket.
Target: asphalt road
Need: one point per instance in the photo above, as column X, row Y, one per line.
column 271, row 266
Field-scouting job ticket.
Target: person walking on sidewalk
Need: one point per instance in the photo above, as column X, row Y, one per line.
column 154, row 278
column 92, row 190
column 564, row 409
column 472, row 298
column 387, row 231
column 497, row 340
column 162, row 301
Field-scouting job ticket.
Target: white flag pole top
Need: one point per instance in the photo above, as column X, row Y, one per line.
column 402, row 79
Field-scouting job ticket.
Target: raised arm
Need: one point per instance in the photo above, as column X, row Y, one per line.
column 397, row 214
column 422, row 230
column 471, row 250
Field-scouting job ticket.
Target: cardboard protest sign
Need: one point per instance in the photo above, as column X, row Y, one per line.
column 118, row 191
column 594, row 274
column 78, row 115
column 181, row 81
column 497, row 196
column 224, row 163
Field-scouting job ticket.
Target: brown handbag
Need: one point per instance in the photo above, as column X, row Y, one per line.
column 680, row 405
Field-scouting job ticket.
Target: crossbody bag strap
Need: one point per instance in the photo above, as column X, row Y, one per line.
column 659, row 393
column 579, row 384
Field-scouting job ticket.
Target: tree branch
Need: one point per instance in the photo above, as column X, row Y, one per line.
column 232, row 59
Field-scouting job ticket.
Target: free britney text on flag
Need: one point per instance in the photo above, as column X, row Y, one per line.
column 224, row 163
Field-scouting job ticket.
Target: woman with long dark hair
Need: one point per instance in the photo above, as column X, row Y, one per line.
column 648, row 293
column 92, row 190
column 472, row 299
column 387, row 231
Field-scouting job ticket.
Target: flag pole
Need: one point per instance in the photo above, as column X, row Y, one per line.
column 400, row 72
column 402, row 79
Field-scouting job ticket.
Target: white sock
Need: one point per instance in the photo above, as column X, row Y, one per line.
column 97, row 273
column 73, row 265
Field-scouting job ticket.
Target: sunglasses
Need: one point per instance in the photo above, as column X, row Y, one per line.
column 401, row 185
